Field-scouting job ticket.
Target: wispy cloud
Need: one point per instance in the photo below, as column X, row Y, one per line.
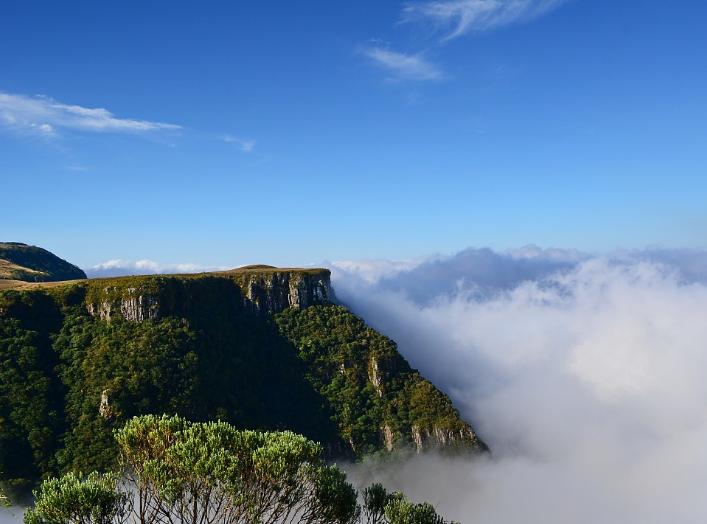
column 458, row 17
column 44, row 116
column 244, row 144
column 402, row 66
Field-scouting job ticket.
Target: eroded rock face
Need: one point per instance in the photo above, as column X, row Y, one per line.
column 276, row 291
column 105, row 409
column 374, row 376
column 133, row 306
column 436, row 437
column 388, row 437
column 268, row 292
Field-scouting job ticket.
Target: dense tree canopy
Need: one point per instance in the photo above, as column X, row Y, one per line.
column 28, row 415
column 367, row 383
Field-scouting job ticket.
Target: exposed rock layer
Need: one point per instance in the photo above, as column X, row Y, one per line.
column 267, row 291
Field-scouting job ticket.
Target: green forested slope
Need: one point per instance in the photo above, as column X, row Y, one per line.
column 375, row 396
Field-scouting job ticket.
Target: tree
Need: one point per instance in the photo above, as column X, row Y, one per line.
column 179, row 472
column 4, row 501
column 73, row 500
column 381, row 507
column 375, row 498
column 212, row 472
column 401, row 511
column 27, row 417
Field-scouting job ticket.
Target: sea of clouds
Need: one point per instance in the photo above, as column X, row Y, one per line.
column 585, row 374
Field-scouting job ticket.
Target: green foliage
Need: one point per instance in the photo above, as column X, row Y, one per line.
column 375, row 499
column 214, row 472
column 401, row 511
column 381, row 507
column 70, row 499
column 183, row 472
column 28, row 416
column 367, row 383
column 4, row 500
column 135, row 367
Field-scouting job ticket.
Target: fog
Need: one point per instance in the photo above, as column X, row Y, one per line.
column 585, row 374
column 10, row 516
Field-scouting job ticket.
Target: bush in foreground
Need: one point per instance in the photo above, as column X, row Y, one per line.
column 180, row 472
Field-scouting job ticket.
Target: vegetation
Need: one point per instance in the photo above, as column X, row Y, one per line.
column 367, row 383
column 70, row 499
column 29, row 416
column 182, row 472
column 34, row 264
column 381, row 507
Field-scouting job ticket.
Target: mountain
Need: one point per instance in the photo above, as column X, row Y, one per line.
column 259, row 347
column 34, row 264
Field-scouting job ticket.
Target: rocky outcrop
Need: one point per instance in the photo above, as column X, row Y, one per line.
column 105, row 409
column 274, row 291
column 388, row 437
column 436, row 437
column 132, row 306
column 374, row 376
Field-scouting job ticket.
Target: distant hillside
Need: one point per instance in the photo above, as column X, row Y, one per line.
column 34, row 264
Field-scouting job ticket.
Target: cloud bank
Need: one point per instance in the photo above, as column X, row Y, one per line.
column 459, row 17
column 584, row 373
column 45, row 116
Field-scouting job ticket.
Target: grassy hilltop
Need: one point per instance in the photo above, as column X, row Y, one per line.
column 21, row 262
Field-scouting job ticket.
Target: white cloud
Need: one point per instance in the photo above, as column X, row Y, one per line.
column 44, row 116
column 587, row 382
column 402, row 66
column 120, row 267
column 458, row 17
column 371, row 271
column 245, row 145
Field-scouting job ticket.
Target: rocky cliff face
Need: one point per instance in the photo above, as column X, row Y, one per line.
column 275, row 291
column 266, row 291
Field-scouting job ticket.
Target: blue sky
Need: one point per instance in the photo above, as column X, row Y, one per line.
column 290, row 133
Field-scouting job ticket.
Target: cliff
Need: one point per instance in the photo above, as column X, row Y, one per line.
column 260, row 347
